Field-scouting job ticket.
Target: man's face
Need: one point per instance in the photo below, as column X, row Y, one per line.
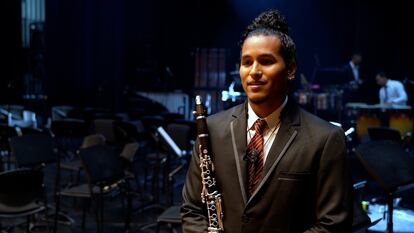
column 263, row 70
column 381, row 80
column 357, row 59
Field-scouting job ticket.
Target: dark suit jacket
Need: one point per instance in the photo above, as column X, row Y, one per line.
column 306, row 186
column 348, row 73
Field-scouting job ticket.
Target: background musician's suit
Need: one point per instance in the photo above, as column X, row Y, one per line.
column 352, row 70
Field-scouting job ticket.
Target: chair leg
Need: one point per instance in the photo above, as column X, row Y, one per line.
column 98, row 230
column 101, row 212
column 145, row 177
column 128, row 211
column 57, row 209
column 84, row 213
column 157, row 229
column 28, row 224
column 155, row 183
column 171, row 228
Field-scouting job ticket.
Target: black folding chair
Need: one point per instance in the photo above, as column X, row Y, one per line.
column 21, row 195
column 105, row 175
column 69, row 133
column 6, row 132
column 105, row 172
column 36, row 151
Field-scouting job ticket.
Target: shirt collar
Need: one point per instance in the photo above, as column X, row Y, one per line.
column 353, row 66
column 272, row 119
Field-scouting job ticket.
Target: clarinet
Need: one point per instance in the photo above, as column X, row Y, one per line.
column 210, row 194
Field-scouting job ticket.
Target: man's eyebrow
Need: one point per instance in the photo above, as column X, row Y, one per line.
column 261, row 55
column 267, row 55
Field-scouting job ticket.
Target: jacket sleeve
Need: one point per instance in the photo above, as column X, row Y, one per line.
column 334, row 191
column 193, row 211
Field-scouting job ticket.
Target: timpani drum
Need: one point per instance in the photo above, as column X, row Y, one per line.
column 368, row 116
column 401, row 119
column 365, row 116
column 395, row 116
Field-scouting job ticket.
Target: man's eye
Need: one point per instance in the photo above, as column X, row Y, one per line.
column 246, row 63
column 267, row 61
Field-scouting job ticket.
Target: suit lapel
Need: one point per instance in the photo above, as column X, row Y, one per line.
column 281, row 141
column 238, row 138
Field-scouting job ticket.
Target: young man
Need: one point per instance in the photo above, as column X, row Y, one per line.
column 277, row 167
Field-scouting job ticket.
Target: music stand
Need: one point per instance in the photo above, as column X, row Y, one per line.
column 390, row 165
column 170, row 147
column 166, row 140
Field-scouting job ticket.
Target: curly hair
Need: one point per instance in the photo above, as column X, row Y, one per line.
column 273, row 23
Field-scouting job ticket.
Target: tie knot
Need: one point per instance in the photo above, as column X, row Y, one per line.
column 259, row 126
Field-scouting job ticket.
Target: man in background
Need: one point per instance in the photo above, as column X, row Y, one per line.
column 352, row 71
column 353, row 83
column 392, row 92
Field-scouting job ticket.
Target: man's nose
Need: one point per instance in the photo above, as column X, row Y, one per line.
column 256, row 71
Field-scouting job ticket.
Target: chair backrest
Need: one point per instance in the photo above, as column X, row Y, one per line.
column 130, row 130
column 129, row 151
column 6, row 132
column 152, row 122
column 20, row 187
column 15, row 110
column 33, row 150
column 171, row 116
column 93, row 140
column 63, row 112
column 69, row 128
column 128, row 156
column 102, row 164
column 105, row 127
column 383, row 133
column 69, row 133
column 29, row 131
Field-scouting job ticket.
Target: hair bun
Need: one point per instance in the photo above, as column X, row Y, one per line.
column 271, row 19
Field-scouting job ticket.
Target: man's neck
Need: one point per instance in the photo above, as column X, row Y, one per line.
column 264, row 109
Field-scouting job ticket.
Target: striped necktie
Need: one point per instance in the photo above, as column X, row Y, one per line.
column 255, row 155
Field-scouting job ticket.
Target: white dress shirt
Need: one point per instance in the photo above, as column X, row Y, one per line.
column 393, row 92
column 270, row 132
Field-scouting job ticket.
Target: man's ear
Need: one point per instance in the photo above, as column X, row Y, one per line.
column 291, row 71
